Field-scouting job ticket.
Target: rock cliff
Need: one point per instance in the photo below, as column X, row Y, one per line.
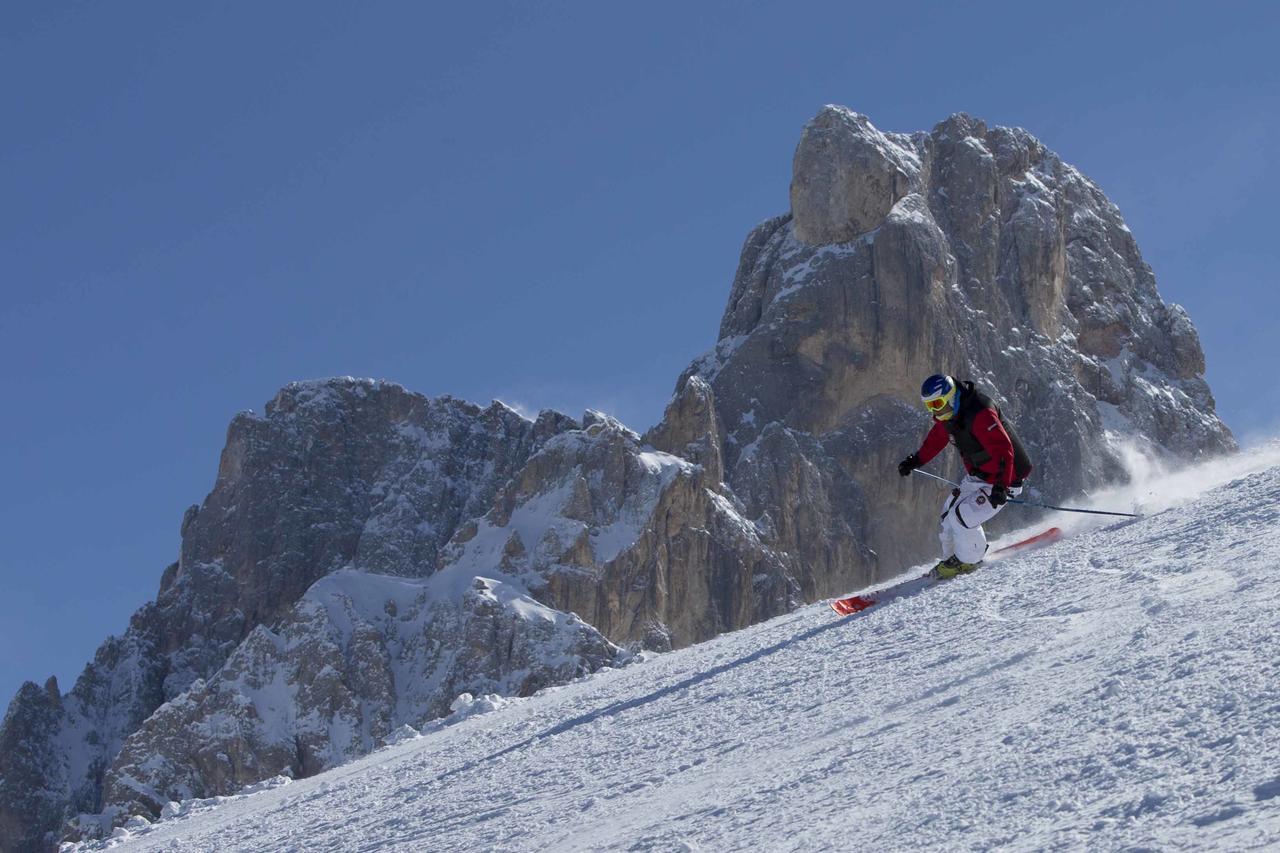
column 368, row 554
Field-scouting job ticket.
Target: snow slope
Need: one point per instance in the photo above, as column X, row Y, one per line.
column 1119, row 689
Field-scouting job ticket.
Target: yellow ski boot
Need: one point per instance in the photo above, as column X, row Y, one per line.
column 951, row 567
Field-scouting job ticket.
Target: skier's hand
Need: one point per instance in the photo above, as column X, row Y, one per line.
column 906, row 466
column 999, row 496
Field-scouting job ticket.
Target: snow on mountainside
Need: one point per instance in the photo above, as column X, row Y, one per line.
column 1119, row 688
column 358, row 657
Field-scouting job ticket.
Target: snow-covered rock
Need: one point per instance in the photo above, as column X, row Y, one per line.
column 641, row 543
column 356, row 659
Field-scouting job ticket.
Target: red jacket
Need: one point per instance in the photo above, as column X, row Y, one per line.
column 987, row 429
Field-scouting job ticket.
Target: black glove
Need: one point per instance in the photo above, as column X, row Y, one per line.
column 911, row 463
column 999, row 496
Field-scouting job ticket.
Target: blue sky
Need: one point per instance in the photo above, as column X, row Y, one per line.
column 537, row 202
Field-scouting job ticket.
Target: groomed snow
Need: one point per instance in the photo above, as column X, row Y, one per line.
column 1118, row 690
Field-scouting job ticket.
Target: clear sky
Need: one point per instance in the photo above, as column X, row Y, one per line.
column 541, row 202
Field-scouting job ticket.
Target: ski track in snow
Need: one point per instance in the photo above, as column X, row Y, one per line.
column 1117, row 690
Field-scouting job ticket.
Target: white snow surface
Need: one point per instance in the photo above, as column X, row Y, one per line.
column 1118, row 690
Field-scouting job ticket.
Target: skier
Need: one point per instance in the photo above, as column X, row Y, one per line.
column 993, row 457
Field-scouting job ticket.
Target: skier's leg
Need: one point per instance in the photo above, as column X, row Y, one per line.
column 970, row 513
column 944, row 528
column 971, row 545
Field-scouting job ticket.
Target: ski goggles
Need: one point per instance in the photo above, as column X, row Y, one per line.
column 941, row 404
column 937, row 404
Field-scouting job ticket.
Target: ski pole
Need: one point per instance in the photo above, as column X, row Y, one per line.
column 1031, row 503
column 1069, row 509
column 935, row 477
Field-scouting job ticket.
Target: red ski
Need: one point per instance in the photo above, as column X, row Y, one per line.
column 852, row 604
column 857, row 603
column 1053, row 534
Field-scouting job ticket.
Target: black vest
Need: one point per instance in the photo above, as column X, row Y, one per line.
column 960, row 428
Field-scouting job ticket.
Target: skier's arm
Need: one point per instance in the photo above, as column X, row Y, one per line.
column 934, row 442
column 991, row 435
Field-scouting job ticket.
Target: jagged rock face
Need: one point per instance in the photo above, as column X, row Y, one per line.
column 640, row 543
column 55, row 748
column 33, row 775
column 846, row 177
column 803, row 492
column 359, row 656
column 987, row 257
column 336, row 473
column 691, row 429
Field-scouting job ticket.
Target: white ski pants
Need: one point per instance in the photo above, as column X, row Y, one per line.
column 963, row 516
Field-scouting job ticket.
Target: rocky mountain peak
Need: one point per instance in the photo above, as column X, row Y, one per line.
column 969, row 249
column 846, row 177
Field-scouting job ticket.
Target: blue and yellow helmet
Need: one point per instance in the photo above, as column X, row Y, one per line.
column 938, row 393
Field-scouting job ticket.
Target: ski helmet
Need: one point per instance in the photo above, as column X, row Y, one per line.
column 938, row 393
